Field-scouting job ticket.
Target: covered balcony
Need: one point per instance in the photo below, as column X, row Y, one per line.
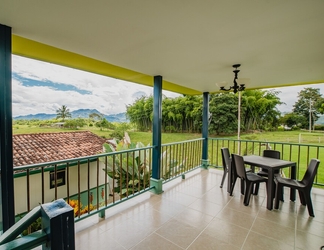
column 196, row 213
column 190, row 212
column 185, row 47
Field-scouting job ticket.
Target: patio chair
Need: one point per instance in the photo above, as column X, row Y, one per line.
column 249, row 178
column 304, row 186
column 227, row 163
column 271, row 154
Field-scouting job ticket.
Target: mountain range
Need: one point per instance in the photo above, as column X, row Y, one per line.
column 80, row 113
column 84, row 113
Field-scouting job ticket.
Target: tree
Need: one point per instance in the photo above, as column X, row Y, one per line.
column 259, row 109
column 75, row 123
column 140, row 113
column 293, row 120
column 63, row 113
column 309, row 105
column 104, row 123
column 223, row 108
column 95, row 116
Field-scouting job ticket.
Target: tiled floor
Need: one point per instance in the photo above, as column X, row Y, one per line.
column 196, row 213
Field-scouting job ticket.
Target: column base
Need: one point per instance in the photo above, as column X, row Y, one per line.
column 157, row 184
column 102, row 214
column 204, row 163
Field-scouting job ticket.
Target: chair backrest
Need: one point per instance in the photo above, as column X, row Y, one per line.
column 226, row 158
column 271, row 153
column 238, row 162
column 311, row 171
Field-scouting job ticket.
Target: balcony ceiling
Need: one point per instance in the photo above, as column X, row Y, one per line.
column 192, row 44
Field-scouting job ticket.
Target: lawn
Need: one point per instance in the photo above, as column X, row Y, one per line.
column 146, row 138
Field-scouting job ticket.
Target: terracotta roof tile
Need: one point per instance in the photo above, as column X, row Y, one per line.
column 46, row 147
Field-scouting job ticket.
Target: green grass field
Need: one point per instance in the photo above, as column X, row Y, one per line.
column 146, row 138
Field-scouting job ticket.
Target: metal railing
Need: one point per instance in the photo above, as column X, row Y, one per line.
column 179, row 158
column 94, row 183
column 89, row 184
column 299, row 153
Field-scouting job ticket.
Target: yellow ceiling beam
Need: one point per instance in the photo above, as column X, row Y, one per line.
column 28, row 48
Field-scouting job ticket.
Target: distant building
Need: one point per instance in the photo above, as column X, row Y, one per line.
column 48, row 147
column 58, row 124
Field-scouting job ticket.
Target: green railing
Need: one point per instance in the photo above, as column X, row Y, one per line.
column 179, row 158
column 299, row 153
column 89, row 184
column 93, row 184
column 57, row 228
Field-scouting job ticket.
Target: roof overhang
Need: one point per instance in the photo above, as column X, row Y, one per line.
column 192, row 44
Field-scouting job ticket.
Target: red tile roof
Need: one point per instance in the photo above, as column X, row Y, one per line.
column 46, row 147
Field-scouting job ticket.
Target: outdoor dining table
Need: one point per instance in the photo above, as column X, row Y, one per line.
column 271, row 165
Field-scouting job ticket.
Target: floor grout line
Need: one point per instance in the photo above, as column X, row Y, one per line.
column 225, row 202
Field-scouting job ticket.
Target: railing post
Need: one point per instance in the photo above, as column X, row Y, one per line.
column 102, row 214
column 58, row 223
column 156, row 182
column 204, row 160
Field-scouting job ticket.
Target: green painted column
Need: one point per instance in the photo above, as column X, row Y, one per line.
column 6, row 157
column 58, row 223
column 204, row 160
column 156, row 182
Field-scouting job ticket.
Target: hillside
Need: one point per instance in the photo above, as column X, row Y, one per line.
column 81, row 113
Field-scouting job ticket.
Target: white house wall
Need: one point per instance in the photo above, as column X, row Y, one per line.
column 35, row 186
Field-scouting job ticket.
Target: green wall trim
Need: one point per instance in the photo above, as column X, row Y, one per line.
column 51, row 168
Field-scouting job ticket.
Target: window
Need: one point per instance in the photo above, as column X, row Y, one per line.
column 60, row 178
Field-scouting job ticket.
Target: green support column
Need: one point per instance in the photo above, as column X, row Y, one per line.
column 6, row 157
column 204, row 160
column 156, row 182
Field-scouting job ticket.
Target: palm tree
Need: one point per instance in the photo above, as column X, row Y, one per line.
column 63, row 113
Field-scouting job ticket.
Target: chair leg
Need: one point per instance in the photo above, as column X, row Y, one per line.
column 242, row 186
column 232, row 186
column 223, row 179
column 281, row 197
column 307, row 196
column 302, row 197
column 248, row 192
column 277, row 196
column 274, row 188
column 256, row 189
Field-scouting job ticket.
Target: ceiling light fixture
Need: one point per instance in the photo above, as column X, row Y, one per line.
column 236, row 87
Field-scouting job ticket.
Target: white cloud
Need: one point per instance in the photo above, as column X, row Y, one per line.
column 108, row 95
column 289, row 95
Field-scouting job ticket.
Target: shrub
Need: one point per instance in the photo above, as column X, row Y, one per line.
column 319, row 127
column 117, row 134
column 35, row 226
column 170, row 129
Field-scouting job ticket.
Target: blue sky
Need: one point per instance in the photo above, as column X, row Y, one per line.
column 39, row 87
